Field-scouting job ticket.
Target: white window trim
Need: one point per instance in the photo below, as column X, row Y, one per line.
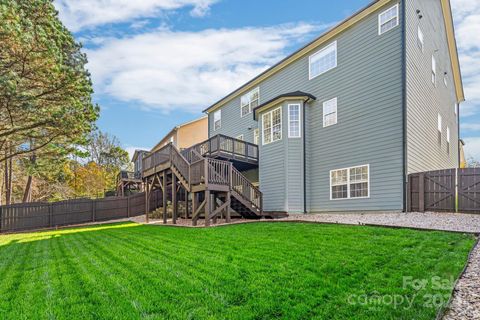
column 271, row 127
column 256, row 136
column 380, row 23
column 448, row 134
column 434, row 71
column 250, row 102
column 220, row 126
column 299, row 120
column 334, row 43
column 348, row 183
column 336, row 112
column 421, row 39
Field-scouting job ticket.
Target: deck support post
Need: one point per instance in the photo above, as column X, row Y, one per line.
column 174, row 198
column 186, row 204
column 164, row 197
column 194, row 208
column 147, row 198
column 228, row 213
column 208, row 207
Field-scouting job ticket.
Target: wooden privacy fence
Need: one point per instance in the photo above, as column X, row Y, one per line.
column 39, row 215
column 451, row 190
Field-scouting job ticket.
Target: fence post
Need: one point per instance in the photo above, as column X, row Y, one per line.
column 128, row 207
column 50, row 215
column 94, row 209
column 456, row 198
column 421, row 192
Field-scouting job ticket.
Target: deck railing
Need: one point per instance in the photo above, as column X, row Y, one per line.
column 129, row 175
column 227, row 147
column 245, row 188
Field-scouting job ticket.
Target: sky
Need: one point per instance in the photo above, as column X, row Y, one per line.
column 158, row 63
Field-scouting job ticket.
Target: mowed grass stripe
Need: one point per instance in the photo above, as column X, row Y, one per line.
column 252, row 271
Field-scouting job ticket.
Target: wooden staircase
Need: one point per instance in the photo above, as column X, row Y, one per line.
column 222, row 186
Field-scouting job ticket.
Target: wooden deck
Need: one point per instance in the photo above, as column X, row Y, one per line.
column 215, row 185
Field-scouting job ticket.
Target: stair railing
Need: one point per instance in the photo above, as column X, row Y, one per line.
column 241, row 185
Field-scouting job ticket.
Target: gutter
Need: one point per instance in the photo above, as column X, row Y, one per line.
column 404, row 106
column 304, row 159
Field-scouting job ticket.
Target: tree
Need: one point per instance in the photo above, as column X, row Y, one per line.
column 45, row 91
column 473, row 163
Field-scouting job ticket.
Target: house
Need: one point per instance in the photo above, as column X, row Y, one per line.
column 186, row 134
column 340, row 123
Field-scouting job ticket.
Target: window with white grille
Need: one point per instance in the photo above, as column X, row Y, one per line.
column 217, row 120
column 323, row 60
column 272, row 126
column 294, row 126
column 350, row 183
column 330, row 112
column 249, row 101
column 388, row 19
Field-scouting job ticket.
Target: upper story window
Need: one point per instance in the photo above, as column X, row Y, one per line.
column 330, row 112
column 256, row 135
column 420, row 39
column 272, row 126
column 350, row 183
column 434, row 71
column 388, row 19
column 439, row 128
column 217, row 120
column 448, row 140
column 294, row 126
column 249, row 101
column 323, row 60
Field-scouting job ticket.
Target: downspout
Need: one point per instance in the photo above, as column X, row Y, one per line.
column 404, row 105
column 304, row 160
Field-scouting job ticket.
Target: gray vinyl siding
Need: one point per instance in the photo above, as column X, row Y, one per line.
column 281, row 168
column 368, row 84
column 424, row 101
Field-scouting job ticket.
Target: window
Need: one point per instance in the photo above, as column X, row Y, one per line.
column 350, row 183
column 448, row 140
column 330, row 112
column 249, row 101
column 420, row 40
column 294, row 126
column 434, row 71
column 256, row 136
column 445, row 80
column 388, row 20
column 217, row 120
column 439, row 129
column 272, row 126
column 323, row 60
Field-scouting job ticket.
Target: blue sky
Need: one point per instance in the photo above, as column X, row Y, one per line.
column 158, row 63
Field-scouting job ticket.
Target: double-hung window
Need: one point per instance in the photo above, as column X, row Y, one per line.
column 323, row 60
column 330, row 112
column 217, row 120
column 388, row 20
column 272, row 126
column 434, row 71
column 294, row 126
column 448, row 140
column 256, row 135
column 249, row 101
column 350, row 183
column 439, row 129
column 420, row 39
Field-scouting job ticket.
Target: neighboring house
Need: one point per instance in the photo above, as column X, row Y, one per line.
column 186, row 134
column 131, row 182
column 342, row 122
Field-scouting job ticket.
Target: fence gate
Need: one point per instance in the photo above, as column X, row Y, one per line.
column 451, row 190
column 469, row 190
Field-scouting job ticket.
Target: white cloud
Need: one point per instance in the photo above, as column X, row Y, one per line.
column 472, row 147
column 82, row 14
column 470, row 126
column 169, row 70
column 466, row 14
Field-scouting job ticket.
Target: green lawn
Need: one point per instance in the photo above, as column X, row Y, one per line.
column 250, row 271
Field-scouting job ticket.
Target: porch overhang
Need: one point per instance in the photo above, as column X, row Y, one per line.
column 296, row 95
